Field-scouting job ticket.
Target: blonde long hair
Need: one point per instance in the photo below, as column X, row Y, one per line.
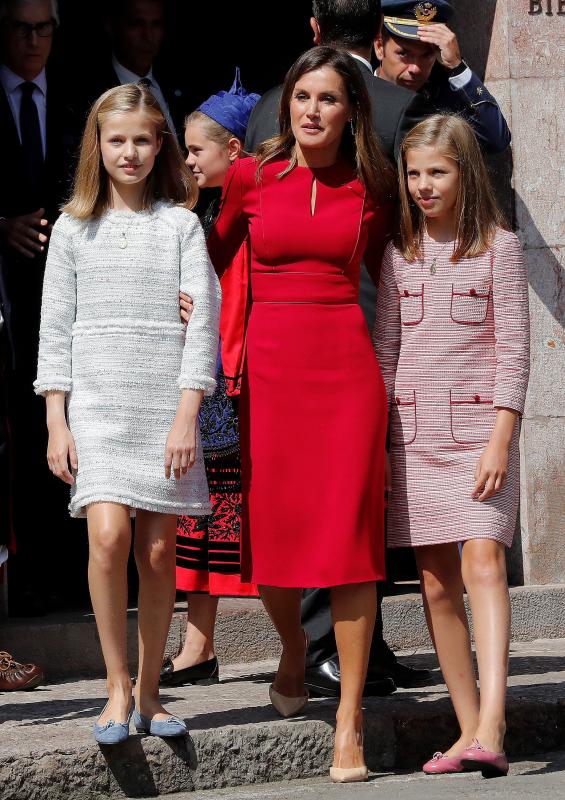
column 214, row 131
column 477, row 213
column 170, row 178
column 359, row 146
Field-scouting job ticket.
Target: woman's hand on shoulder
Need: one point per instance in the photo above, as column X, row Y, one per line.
column 61, row 451
column 186, row 307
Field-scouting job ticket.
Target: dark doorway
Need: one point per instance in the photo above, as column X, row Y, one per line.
column 204, row 44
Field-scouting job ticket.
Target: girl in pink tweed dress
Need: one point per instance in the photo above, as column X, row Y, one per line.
column 452, row 339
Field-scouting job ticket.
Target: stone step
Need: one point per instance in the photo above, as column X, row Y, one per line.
column 66, row 645
column 48, row 752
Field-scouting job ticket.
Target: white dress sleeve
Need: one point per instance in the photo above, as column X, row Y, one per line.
column 58, row 311
column 198, row 279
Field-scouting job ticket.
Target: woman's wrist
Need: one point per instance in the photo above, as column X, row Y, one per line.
column 56, row 425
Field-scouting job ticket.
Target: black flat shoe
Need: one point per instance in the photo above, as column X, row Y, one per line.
column 204, row 674
column 324, row 680
column 403, row 675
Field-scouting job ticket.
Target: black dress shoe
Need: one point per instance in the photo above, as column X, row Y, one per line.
column 403, row 675
column 204, row 674
column 324, row 680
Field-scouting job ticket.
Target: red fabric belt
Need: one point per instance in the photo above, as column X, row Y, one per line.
column 302, row 287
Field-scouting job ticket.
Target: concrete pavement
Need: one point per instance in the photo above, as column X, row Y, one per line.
column 47, row 751
column 540, row 777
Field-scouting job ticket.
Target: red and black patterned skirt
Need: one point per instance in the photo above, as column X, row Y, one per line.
column 208, row 548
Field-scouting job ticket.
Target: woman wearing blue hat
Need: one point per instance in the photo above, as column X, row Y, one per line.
column 208, row 560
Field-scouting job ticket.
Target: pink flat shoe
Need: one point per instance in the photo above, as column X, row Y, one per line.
column 492, row 765
column 443, row 765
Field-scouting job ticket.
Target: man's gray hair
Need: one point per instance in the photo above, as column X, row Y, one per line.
column 7, row 5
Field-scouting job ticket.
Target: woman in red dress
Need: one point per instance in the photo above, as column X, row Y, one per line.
column 314, row 202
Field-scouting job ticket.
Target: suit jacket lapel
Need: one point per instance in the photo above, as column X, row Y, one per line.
column 10, row 134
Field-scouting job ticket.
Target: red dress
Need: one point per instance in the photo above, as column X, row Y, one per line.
column 313, row 409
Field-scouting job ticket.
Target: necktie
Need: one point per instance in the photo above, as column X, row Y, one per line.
column 31, row 133
column 148, row 83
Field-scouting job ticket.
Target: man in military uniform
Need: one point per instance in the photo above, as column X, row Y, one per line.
column 419, row 52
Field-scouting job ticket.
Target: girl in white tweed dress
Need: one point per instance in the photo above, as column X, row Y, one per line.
column 452, row 338
column 122, row 381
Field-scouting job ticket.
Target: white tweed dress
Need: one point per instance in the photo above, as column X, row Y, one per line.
column 111, row 339
column 453, row 344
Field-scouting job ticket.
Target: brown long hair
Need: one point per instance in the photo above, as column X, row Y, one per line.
column 170, row 178
column 361, row 147
column 477, row 213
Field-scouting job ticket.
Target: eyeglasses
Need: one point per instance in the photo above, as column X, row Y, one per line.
column 23, row 30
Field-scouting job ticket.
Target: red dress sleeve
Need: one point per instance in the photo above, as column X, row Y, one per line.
column 231, row 228
column 379, row 233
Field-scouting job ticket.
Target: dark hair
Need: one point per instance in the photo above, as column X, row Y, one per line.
column 351, row 24
column 359, row 144
column 117, row 10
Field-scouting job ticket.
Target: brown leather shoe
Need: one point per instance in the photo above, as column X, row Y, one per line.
column 15, row 677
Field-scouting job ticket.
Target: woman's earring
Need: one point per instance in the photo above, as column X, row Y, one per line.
column 352, row 127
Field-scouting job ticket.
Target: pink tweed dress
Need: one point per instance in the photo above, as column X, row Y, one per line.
column 453, row 344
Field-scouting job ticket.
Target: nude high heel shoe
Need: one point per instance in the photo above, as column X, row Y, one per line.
column 349, row 774
column 289, row 706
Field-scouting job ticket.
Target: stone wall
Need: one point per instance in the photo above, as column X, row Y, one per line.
column 519, row 47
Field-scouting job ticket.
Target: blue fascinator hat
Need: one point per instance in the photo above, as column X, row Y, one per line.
column 231, row 109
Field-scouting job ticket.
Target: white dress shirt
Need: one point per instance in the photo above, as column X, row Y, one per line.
column 362, row 60
column 127, row 76
column 11, row 84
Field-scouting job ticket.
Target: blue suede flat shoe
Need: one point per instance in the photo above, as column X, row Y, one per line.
column 113, row 732
column 172, row 726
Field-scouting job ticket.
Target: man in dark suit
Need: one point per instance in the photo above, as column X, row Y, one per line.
column 36, row 139
column 351, row 25
column 136, row 31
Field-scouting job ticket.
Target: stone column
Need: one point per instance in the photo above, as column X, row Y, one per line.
column 519, row 47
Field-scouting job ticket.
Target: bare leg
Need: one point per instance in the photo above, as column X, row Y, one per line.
column 283, row 606
column 442, row 590
column 484, row 573
column 200, row 623
column 354, row 609
column 155, row 557
column 109, row 539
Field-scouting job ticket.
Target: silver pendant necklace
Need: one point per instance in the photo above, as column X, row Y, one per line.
column 435, row 259
column 123, row 243
column 123, row 240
